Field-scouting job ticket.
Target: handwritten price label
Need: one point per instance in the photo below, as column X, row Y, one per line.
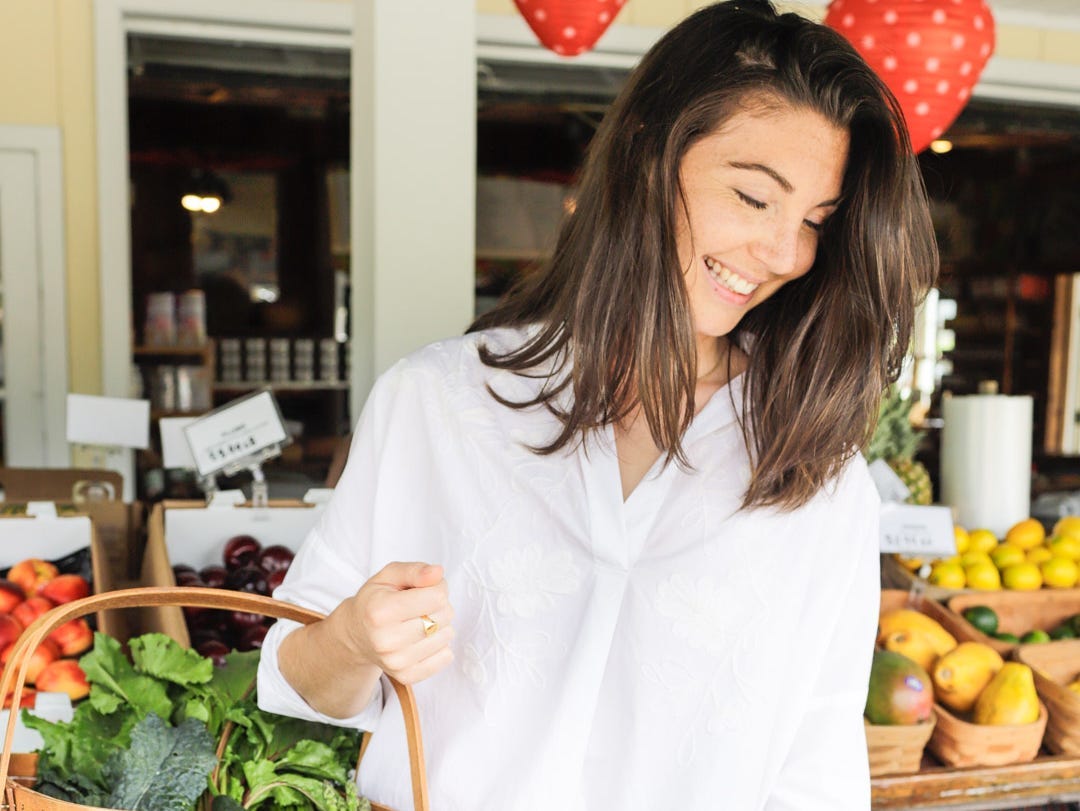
column 917, row 531
column 240, row 430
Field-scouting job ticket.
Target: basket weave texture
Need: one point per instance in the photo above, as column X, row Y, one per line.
column 896, row 749
column 959, row 743
column 1055, row 665
column 1018, row 612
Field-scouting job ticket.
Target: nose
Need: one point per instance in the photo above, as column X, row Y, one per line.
column 777, row 246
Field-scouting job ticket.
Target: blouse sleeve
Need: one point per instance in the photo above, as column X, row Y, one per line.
column 333, row 561
column 826, row 767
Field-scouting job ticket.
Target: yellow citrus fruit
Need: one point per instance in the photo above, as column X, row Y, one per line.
column 1068, row 525
column 982, row 540
column 1005, row 555
column 970, row 558
column 947, row 575
column 1060, row 573
column 1026, row 534
column 963, row 540
column 1022, row 577
column 1039, row 554
column 1065, row 546
column 911, row 564
column 983, row 575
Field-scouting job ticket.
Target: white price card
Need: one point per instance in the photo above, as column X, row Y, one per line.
column 914, row 530
column 889, row 486
column 240, row 430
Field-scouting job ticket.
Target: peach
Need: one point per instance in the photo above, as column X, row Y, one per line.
column 26, row 700
column 73, row 637
column 11, row 594
column 63, row 676
column 31, row 574
column 30, row 609
column 64, row 588
column 10, row 628
column 45, row 653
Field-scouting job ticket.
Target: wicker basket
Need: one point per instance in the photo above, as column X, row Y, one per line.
column 1018, row 612
column 898, row 598
column 960, row 744
column 1054, row 667
column 896, row 749
column 17, row 771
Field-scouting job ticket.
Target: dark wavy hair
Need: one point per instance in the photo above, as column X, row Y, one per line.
column 613, row 298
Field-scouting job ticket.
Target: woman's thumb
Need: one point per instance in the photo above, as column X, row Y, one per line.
column 410, row 575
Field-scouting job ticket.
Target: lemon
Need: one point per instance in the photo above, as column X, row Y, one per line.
column 1022, row 577
column 982, row 540
column 911, row 564
column 1005, row 555
column 1065, row 546
column 1060, row 573
column 963, row 540
column 970, row 558
column 1039, row 554
column 1026, row 534
column 948, row 575
column 1069, row 525
column 983, row 575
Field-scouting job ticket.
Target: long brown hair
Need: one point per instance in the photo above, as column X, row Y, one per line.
column 613, row 298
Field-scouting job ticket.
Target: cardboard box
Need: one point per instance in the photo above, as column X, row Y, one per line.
column 192, row 533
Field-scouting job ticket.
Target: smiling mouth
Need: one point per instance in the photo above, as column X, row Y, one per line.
column 726, row 278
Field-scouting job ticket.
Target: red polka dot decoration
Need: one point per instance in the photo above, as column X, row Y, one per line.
column 929, row 52
column 569, row 27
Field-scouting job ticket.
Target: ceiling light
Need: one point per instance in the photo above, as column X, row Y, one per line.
column 205, row 192
column 941, row 146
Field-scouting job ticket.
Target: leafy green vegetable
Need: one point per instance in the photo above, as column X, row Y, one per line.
column 165, row 768
column 145, row 738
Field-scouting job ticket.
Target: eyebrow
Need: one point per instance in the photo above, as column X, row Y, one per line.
column 781, row 181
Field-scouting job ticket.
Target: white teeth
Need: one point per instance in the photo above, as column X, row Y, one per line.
column 728, row 279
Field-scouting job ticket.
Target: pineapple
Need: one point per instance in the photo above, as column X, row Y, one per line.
column 895, row 440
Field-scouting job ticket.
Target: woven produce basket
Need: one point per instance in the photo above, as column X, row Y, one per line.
column 896, row 749
column 960, row 744
column 17, row 772
column 1054, row 666
column 1018, row 612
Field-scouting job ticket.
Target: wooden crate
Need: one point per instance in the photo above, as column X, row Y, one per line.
column 895, row 576
column 1054, row 667
column 1018, row 612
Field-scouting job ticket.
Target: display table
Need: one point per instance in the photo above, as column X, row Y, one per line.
column 1046, row 779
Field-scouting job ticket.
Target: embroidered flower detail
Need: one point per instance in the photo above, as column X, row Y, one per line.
column 697, row 609
column 528, row 578
column 472, row 665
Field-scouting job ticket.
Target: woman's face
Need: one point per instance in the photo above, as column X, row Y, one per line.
column 757, row 191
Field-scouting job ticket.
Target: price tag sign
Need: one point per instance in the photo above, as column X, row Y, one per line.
column 917, row 531
column 889, row 486
column 247, row 429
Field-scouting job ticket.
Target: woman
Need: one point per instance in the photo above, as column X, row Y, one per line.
column 646, row 546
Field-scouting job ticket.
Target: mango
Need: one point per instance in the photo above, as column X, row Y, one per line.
column 914, row 646
column 908, row 619
column 900, row 691
column 1009, row 698
column 963, row 673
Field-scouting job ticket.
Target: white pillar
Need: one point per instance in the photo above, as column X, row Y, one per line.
column 413, row 179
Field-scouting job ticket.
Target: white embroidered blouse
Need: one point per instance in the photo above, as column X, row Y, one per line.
column 669, row 651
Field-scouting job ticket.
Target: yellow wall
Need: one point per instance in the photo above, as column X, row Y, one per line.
column 46, row 55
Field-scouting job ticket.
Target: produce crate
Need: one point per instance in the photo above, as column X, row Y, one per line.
column 1018, row 612
column 961, row 744
column 1054, row 667
column 191, row 532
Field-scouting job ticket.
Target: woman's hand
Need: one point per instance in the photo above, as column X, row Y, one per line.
column 388, row 622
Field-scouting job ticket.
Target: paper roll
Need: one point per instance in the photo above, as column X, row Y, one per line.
column 986, row 460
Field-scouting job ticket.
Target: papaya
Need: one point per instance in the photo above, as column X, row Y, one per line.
column 913, row 645
column 908, row 619
column 900, row 691
column 962, row 674
column 1010, row 698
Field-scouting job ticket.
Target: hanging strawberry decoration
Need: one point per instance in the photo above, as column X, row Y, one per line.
column 929, row 52
column 569, row 27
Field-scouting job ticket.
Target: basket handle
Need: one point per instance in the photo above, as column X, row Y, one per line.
column 14, row 677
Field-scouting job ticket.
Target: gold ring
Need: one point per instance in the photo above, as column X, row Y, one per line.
column 430, row 626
